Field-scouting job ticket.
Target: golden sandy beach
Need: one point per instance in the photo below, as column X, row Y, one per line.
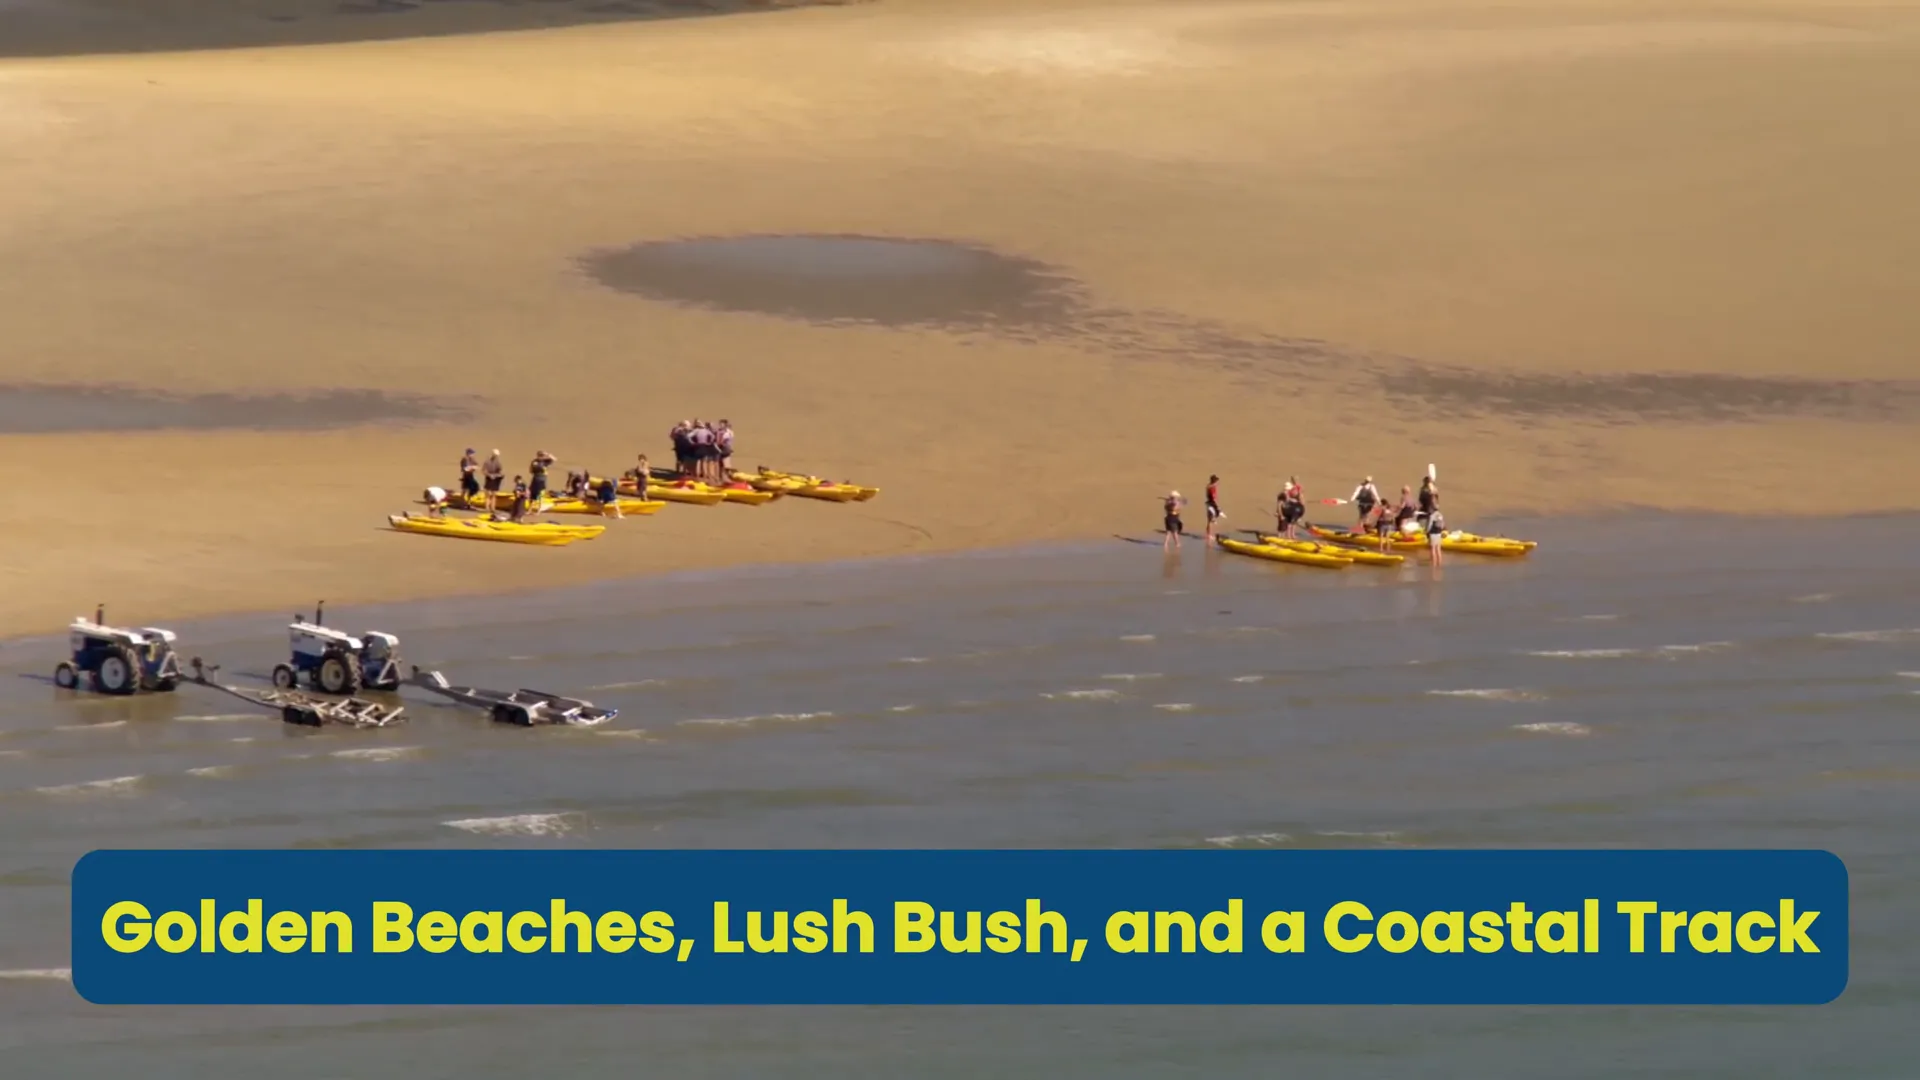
column 1580, row 254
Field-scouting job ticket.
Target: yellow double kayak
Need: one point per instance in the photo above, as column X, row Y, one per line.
column 808, row 487
column 504, row 532
column 1450, row 541
column 555, row 504
column 691, row 492
column 1358, row 555
column 1285, row 554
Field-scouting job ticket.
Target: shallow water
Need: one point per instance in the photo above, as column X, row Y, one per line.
column 1656, row 682
column 41, row 409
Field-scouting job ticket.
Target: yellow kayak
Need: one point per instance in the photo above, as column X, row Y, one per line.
column 472, row 529
column 550, row 528
column 628, row 507
column 1285, row 554
column 1365, row 558
column 1464, row 542
column 740, row 492
column 809, row 486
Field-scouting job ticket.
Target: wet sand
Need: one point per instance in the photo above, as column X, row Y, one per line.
column 1592, row 255
column 1654, row 681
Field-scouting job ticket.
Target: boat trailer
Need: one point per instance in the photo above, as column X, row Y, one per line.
column 300, row 707
column 525, row 708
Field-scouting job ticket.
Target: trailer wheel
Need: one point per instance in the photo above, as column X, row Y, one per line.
column 299, row 714
column 118, row 673
column 284, row 677
column 66, row 676
column 338, row 674
column 511, row 714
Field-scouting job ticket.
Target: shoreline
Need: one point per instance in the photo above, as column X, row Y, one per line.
column 795, row 573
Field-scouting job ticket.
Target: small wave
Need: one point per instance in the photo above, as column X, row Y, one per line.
column 375, row 753
column 13, row 753
column 521, row 659
column 1137, row 637
column 116, row 786
column 1264, row 839
column 243, row 738
column 911, row 660
column 221, row 718
column 516, row 825
column 1705, row 646
column 1813, row 598
column 1083, row 695
column 635, row 685
column 1897, row 674
column 49, row 974
column 1381, row 834
column 1556, row 727
column 1598, row 618
column 1176, row 706
column 765, row 718
column 1873, row 635
column 1249, row 678
column 902, row 708
column 1586, row 654
column 1492, row 694
column 92, row 727
column 211, row 770
column 1130, row 676
column 638, row 734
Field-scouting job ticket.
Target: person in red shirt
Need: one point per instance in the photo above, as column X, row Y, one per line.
column 1213, row 504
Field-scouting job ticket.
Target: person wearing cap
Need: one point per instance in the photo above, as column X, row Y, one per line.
column 1172, row 505
column 1365, row 498
column 493, row 473
column 470, row 475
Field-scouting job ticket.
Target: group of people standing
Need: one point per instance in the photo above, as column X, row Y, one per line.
column 1375, row 514
column 481, row 484
column 703, row 451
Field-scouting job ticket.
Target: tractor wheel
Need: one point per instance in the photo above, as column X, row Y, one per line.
column 338, row 674
column 66, row 676
column 118, row 673
column 284, row 677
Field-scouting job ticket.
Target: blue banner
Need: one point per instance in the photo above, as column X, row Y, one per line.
column 960, row 927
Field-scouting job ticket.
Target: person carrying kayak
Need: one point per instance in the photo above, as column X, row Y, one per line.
column 470, row 474
column 1436, row 533
column 1365, row 498
column 1172, row 504
column 1213, row 504
column 494, row 472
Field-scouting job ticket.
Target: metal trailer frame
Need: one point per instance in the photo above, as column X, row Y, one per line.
column 524, row 708
column 302, row 708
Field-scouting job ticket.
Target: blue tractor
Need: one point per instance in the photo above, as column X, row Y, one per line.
column 118, row 661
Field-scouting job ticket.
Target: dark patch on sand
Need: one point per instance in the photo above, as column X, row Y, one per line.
column 1645, row 396
column 44, row 409
column 67, row 27
column 984, row 296
column 845, row 280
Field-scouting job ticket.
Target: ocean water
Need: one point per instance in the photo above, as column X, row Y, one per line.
column 1645, row 681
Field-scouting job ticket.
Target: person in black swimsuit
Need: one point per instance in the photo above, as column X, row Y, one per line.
column 1172, row 505
column 470, row 474
column 1429, row 497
